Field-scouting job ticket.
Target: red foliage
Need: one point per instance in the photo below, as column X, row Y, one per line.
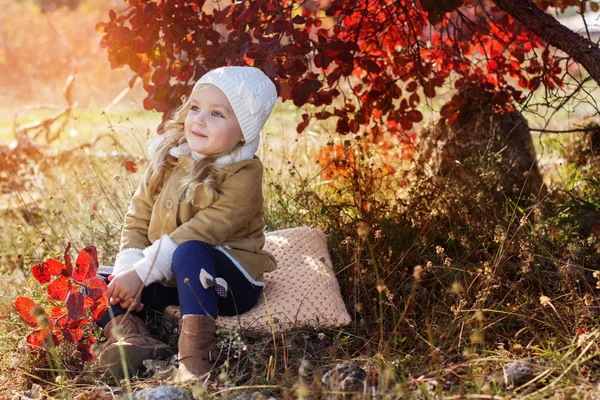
column 36, row 317
column 86, row 265
column 170, row 44
column 60, row 288
column 390, row 56
column 28, row 310
column 43, row 272
column 81, row 294
column 340, row 163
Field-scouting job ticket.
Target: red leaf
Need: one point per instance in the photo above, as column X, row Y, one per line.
column 301, row 37
column 414, row 100
column 79, row 324
column 546, row 55
column 75, row 306
column 60, row 288
column 88, row 302
column 131, row 167
column 72, row 335
column 28, row 310
column 86, row 265
column 354, row 125
column 99, row 308
column 323, row 115
column 447, row 110
column 150, row 9
column 56, row 339
column 372, row 66
column 412, row 86
column 58, row 315
column 298, row 19
column 406, row 122
column 322, row 60
column 299, row 95
column 492, row 66
column 96, row 287
column 84, row 348
column 435, row 16
column 345, row 56
column 523, row 82
column 415, row 115
column 342, row 126
column 269, row 69
column 68, row 263
column 515, row 66
column 280, row 25
column 42, row 338
column 43, row 272
column 301, row 126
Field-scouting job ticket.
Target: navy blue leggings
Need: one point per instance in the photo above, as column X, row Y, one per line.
column 224, row 289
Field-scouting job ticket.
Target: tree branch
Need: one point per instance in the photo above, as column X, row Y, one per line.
column 574, row 130
column 548, row 28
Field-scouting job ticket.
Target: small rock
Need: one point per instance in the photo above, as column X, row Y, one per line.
column 345, row 377
column 511, row 375
column 161, row 393
column 159, row 369
column 518, row 373
column 31, row 394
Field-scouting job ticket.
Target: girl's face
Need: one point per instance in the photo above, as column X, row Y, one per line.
column 211, row 126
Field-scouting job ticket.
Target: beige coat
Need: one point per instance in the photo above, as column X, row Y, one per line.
column 233, row 219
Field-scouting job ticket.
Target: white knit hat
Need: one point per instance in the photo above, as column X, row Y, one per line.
column 250, row 92
column 252, row 96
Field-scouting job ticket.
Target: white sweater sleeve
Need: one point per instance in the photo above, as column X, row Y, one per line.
column 156, row 264
column 126, row 259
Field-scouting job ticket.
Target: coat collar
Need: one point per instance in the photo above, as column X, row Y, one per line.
column 245, row 152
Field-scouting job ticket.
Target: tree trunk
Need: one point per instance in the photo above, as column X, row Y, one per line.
column 548, row 28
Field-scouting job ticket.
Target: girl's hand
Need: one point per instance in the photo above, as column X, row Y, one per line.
column 125, row 288
column 130, row 303
column 125, row 303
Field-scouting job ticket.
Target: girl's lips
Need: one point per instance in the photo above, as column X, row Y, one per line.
column 198, row 134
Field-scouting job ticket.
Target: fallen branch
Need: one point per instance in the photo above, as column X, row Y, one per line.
column 575, row 130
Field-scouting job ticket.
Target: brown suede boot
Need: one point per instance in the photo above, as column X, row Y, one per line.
column 129, row 333
column 197, row 346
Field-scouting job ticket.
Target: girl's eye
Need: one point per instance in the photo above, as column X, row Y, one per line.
column 218, row 114
column 194, row 108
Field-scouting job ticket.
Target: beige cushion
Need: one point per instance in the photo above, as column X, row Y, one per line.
column 302, row 291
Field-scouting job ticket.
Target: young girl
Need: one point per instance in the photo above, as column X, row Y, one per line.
column 193, row 235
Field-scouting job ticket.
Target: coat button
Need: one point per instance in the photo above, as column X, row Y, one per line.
column 169, row 204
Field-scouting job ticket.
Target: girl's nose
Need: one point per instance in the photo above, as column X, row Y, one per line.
column 200, row 118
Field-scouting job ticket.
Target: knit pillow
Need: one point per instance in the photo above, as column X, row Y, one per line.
column 303, row 290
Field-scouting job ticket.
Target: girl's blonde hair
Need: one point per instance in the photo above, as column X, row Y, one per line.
column 203, row 172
